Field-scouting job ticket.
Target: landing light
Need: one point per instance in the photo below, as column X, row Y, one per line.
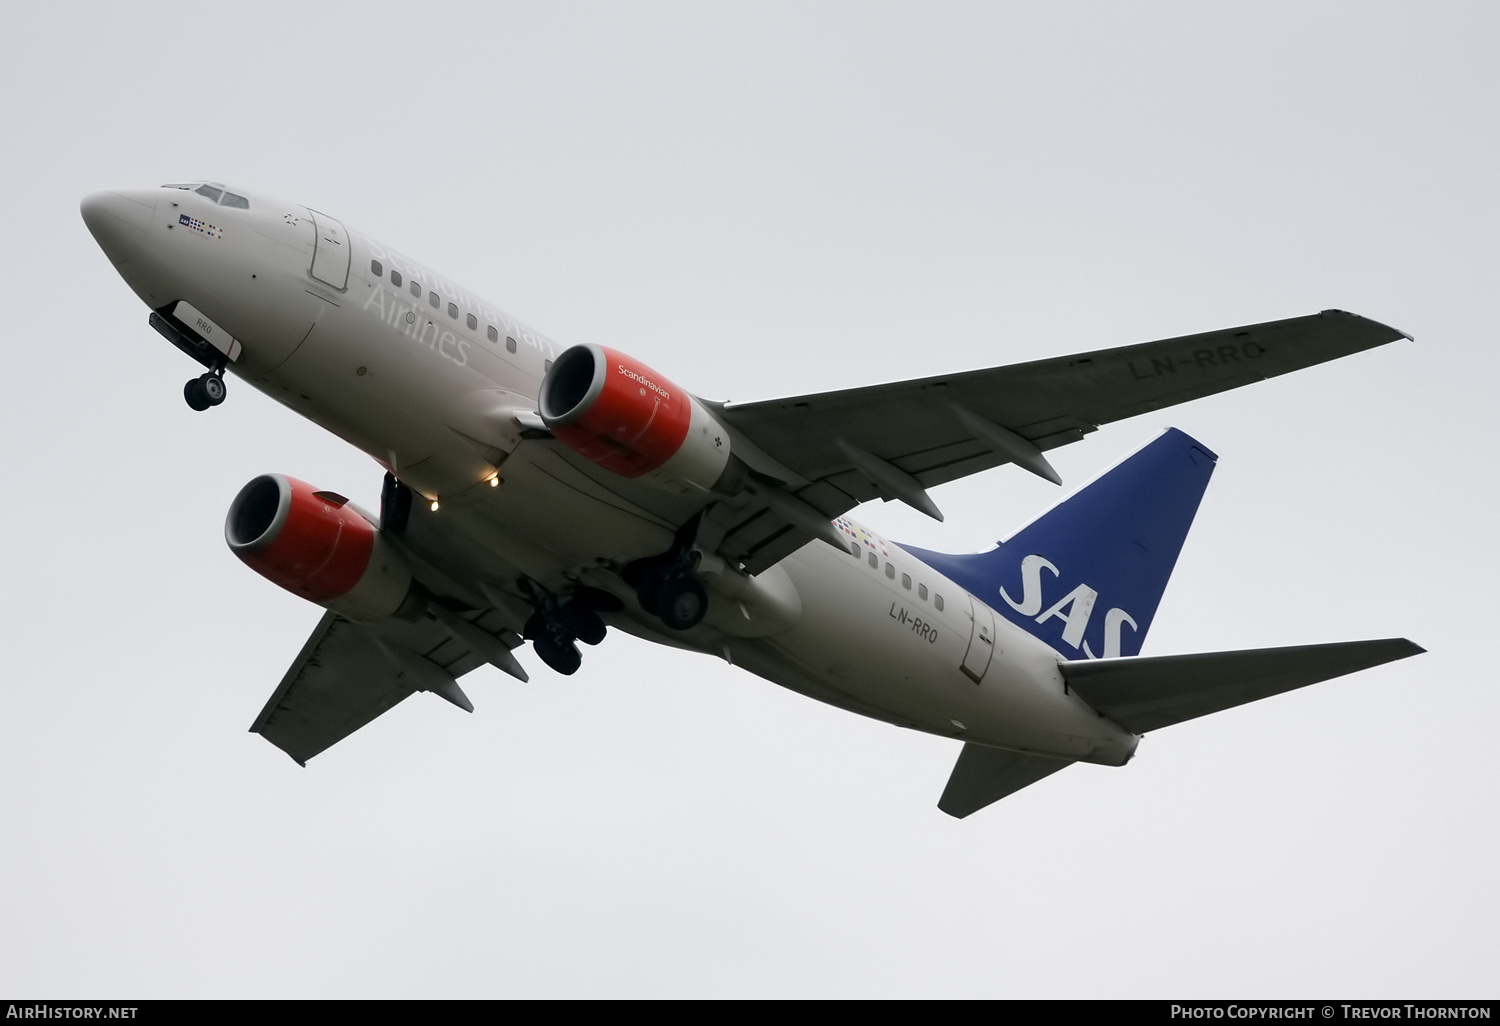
column 434, row 505
column 495, row 481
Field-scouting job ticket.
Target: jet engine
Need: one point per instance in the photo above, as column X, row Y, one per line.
column 622, row 415
column 319, row 546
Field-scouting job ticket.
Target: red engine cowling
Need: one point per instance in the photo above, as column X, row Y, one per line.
column 622, row 415
column 317, row 546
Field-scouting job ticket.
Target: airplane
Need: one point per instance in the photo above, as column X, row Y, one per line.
column 544, row 494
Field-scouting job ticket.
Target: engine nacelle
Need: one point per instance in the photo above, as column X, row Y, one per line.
column 622, row 415
column 318, row 546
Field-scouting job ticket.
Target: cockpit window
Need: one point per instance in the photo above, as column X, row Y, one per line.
column 214, row 192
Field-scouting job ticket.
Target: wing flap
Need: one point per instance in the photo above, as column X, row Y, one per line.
column 339, row 682
column 913, row 425
column 347, row 674
column 1147, row 693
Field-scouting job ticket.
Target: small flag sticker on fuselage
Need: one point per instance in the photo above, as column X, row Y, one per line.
column 188, row 221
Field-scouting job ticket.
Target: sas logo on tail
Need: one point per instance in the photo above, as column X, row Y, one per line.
column 1075, row 610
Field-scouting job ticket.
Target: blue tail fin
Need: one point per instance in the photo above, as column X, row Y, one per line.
column 1088, row 575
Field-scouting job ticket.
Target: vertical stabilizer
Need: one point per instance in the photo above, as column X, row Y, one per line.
column 1088, row 575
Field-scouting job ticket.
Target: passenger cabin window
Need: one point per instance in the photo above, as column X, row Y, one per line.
column 472, row 322
column 433, row 300
column 416, row 288
column 453, row 310
column 375, row 268
column 906, row 581
column 510, row 344
column 937, row 600
column 874, row 561
column 492, row 334
column 890, row 571
column 395, row 277
column 922, row 591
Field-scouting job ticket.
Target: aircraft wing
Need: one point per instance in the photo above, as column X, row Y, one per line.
column 834, row 450
column 349, row 673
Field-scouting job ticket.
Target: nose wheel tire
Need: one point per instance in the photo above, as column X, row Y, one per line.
column 193, row 393
column 205, row 391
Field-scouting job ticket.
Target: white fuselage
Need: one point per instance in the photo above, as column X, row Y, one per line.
column 429, row 380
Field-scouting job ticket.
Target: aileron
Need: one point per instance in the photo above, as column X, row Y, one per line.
column 1046, row 402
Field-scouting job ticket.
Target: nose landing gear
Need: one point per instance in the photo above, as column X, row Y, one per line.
column 205, row 391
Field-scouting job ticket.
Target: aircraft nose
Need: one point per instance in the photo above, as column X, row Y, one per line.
column 118, row 220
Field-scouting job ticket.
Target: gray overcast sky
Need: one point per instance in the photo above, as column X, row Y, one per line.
column 766, row 199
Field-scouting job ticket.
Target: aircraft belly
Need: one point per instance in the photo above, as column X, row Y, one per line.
column 852, row 637
column 372, row 386
column 376, row 410
column 544, row 527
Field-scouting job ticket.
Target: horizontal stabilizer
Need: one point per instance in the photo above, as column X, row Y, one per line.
column 984, row 775
column 1142, row 694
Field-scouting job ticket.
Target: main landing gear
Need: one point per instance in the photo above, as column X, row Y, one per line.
column 206, row 390
column 674, row 596
column 556, row 627
column 667, row 585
